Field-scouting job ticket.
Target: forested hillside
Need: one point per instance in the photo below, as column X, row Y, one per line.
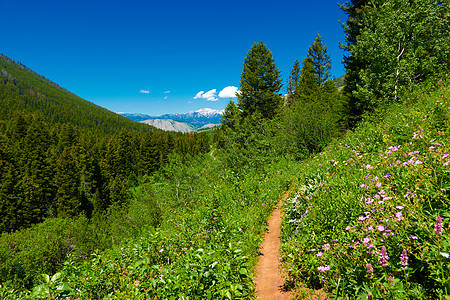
column 28, row 92
column 153, row 215
column 65, row 159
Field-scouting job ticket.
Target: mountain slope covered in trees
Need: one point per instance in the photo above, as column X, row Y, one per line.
column 26, row 91
column 62, row 156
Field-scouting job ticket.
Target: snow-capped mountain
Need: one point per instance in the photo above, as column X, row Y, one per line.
column 198, row 118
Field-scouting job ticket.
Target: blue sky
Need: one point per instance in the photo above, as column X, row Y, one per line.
column 154, row 57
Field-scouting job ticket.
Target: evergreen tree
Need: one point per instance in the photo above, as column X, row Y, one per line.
column 8, row 198
column 230, row 115
column 67, row 180
column 352, row 63
column 294, row 78
column 307, row 89
column 260, row 83
column 321, row 60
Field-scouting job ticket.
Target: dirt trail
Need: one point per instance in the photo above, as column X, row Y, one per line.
column 268, row 279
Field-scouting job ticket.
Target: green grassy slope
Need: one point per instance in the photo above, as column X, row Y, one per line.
column 370, row 215
column 24, row 90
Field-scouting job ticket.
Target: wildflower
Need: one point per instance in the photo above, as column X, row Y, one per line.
column 349, row 227
column 326, row 246
column 161, row 251
column 391, row 280
column 366, row 240
column 387, row 175
column 380, row 227
column 446, row 255
column 383, row 256
column 370, row 269
column 370, row 228
column 438, row 226
column 378, row 184
column 399, row 207
column 446, row 163
column 375, row 179
column 319, row 254
column 371, row 246
column 404, row 259
column 399, row 215
column 444, row 156
column 323, row 268
column 313, row 250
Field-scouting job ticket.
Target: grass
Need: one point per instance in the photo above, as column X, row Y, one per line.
column 370, row 214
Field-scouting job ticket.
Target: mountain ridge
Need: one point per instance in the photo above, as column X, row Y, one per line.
column 199, row 119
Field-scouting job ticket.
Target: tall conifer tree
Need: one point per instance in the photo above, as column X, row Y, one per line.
column 307, row 89
column 260, row 83
column 321, row 60
column 293, row 82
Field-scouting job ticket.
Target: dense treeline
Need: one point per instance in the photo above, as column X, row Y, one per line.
column 264, row 125
column 62, row 156
column 51, row 170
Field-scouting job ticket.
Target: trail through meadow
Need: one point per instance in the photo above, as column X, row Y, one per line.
column 268, row 279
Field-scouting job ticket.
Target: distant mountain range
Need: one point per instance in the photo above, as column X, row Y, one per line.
column 183, row 122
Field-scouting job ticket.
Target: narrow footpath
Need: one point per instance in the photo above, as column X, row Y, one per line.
column 268, row 279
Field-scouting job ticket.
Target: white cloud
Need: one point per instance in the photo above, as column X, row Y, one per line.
column 144, row 91
column 209, row 95
column 166, row 92
column 199, row 95
column 165, row 97
column 229, row 92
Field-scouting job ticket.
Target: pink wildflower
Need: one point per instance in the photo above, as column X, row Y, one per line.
column 370, row 269
column 324, row 268
column 438, row 225
column 391, row 280
column 320, row 253
column 446, row 255
column 383, row 256
column 380, row 227
column 404, row 259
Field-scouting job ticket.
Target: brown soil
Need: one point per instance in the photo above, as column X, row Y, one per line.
column 268, row 279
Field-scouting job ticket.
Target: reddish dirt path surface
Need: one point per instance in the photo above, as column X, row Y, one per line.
column 268, row 279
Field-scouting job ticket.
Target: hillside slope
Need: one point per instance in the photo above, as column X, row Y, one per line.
column 26, row 91
column 170, row 125
column 369, row 218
